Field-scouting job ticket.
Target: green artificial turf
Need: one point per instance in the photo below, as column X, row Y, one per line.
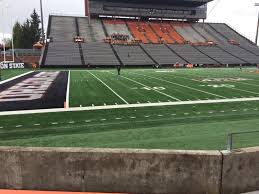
column 203, row 126
column 104, row 87
column 174, row 127
column 9, row 73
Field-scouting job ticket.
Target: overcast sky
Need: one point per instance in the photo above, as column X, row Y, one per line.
column 239, row 14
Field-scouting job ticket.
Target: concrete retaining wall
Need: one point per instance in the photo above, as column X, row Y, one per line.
column 241, row 171
column 131, row 171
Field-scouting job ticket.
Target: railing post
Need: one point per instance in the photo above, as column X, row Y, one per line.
column 230, row 142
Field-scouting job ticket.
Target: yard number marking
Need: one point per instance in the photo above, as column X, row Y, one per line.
column 153, row 88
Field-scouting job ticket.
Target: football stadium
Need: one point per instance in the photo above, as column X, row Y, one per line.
column 135, row 96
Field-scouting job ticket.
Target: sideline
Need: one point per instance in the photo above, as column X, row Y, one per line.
column 123, row 106
column 68, row 90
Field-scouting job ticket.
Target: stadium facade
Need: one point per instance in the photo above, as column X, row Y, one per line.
column 144, row 33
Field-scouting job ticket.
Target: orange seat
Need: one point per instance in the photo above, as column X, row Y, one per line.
column 134, row 28
column 149, row 32
column 177, row 37
column 162, row 32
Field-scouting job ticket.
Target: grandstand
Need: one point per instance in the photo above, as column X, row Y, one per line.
column 129, row 34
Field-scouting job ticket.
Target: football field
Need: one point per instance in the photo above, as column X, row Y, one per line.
column 105, row 87
column 146, row 108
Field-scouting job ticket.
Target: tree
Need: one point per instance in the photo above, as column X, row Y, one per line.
column 17, row 35
column 28, row 33
column 35, row 26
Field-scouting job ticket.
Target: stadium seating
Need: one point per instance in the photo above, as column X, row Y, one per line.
column 116, row 26
column 136, row 32
column 200, row 29
column 192, row 55
column 218, row 38
column 162, row 54
column 230, row 34
column 133, row 55
column 63, row 28
column 173, row 34
column 93, row 32
column 162, row 33
column 241, row 53
column 63, row 54
column 155, row 43
column 219, row 55
column 188, row 33
column 152, row 37
column 99, row 54
column 251, row 48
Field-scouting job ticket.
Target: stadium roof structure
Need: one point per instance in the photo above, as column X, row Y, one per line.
column 188, row 3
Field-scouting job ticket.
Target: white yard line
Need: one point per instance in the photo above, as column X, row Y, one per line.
column 109, row 88
column 182, row 85
column 13, row 78
column 152, row 88
column 229, row 88
column 108, row 107
column 247, row 91
column 68, row 90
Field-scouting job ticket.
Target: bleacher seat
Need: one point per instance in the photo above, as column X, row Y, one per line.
column 133, row 56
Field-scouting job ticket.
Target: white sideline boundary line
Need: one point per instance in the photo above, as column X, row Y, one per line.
column 182, row 85
column 152, row 88
column 68, row 90
column 108, row 87
column 124, row 106
column 13, row 78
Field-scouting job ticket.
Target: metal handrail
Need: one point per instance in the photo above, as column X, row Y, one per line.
column 230, row 138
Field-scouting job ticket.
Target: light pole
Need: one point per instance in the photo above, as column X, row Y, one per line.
column 257, row 30
column 42, row 23
column 1, row 1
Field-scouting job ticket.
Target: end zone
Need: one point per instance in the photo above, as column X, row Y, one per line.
column 34, row 90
